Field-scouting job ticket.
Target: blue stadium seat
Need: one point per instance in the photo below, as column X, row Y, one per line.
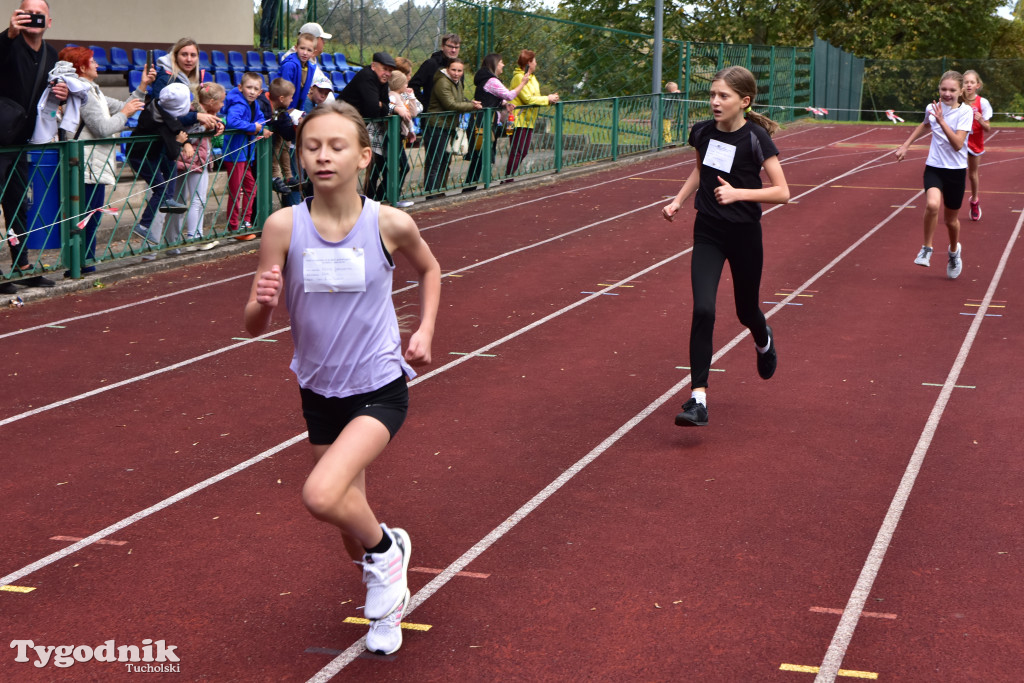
column 134, row 79
column 270, row 61
column 100, row 55
column 338, row 80
column 340, row 63
column 326, row 61
column 138, row 58
column 157, row 54
column 220, row 62
column 119, row 60
column 224, row 78
column 236, row 62
column 349, row 75
column 204, row 60
column 254, row 62
column 207, row 76
column 272, row 75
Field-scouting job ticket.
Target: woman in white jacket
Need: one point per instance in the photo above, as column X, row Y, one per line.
column 101, row 117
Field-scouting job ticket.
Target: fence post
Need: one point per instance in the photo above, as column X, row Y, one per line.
column 771, row 80
column 487, row 123
column 657, row 125
column 393, row 160
column 615, row 129
column 71, row 190
column 559, row 113
column 264, row 188
column 686, row 91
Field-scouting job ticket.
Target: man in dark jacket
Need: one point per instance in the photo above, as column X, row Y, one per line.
column 21, row 76
column 368, row 93
column 423, row 80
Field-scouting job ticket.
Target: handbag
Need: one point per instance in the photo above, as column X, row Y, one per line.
column 13, row 117
column 478, row 138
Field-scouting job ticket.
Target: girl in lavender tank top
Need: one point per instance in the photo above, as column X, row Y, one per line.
column 333, row 259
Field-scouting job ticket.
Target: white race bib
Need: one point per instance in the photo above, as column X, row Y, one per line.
column 720, row 156
column 340, row 269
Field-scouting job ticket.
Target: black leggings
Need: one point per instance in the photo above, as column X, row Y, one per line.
column 714, row 243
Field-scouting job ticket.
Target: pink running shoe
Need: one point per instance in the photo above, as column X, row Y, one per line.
column 976, row 210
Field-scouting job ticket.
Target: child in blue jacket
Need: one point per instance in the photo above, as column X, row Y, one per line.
column 246, row 119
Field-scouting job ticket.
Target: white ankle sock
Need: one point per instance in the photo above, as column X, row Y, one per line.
column 700, row 397
column 764, row 349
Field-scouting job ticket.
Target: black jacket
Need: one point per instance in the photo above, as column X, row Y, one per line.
column 367, row 94
column 19, row 65
column 167, row 129
column 482, row 96
column 423, row 80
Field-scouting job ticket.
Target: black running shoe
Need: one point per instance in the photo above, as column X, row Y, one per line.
column 767, row 361
column 694, row 414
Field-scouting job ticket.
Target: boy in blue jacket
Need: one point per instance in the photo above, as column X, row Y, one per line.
column 297, row 69
column 247, row 121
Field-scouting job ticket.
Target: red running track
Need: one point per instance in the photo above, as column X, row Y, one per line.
column 859, row 512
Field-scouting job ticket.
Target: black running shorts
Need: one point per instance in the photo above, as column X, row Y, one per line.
column 327, row 416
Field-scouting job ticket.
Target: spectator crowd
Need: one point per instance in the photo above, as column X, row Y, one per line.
column 46, row 96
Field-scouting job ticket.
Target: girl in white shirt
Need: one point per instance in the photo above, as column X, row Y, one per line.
column 945, row 171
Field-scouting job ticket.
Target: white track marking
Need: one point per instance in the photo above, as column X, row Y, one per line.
column 869, row 572
column 189, row 361
column 237, row 468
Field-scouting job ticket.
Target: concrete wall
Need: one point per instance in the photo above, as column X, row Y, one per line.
column 214, row 24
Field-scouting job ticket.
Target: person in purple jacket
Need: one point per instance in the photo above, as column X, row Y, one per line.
column 332, row 257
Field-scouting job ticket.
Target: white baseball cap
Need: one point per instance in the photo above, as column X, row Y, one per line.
column 316, row 30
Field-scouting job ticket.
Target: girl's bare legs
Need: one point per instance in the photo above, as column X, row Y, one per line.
column 335, row 491
column 933, row 201
column 952, row 219
column 973, row 163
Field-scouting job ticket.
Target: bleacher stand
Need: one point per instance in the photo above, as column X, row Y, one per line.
column 326, row 61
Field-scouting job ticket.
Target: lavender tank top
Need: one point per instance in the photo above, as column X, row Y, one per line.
column 345, row 342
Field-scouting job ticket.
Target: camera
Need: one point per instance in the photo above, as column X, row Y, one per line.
column 36, row 20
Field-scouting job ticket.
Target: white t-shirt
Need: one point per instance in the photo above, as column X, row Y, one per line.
column 941, row 153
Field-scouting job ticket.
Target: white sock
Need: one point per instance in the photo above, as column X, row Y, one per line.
column 764, row 349
column 957, row 251
column 700, row 397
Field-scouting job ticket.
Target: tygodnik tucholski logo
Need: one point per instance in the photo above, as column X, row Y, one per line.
column 153, row 657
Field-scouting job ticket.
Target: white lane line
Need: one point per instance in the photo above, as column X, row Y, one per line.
column 250, row 275
column 49, row 559
column 91, row 539
column 124, row 306
column 357, row 648
column 231, row 347
column 142, row 514
column 429, row 227
column 869, row 572
column 138, row 378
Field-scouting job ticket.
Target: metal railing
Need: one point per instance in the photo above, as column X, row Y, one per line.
column 72, row 222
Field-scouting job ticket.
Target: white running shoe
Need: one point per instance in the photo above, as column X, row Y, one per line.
column 207, row 246
column 386, row 575
column 385, row 635
column 404, row 204
column 955, row 264
column 924, row 258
